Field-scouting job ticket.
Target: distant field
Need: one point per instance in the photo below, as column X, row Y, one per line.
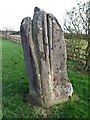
column 15, row 89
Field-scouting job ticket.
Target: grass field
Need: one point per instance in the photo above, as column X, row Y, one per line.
column 15, row 89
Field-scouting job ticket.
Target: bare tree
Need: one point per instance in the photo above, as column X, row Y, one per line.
column 7, row 31
column 77, row 22
column 87, row 67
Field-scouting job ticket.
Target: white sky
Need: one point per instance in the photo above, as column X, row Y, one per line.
column 13, row 11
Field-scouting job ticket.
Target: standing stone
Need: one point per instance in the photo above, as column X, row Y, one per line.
column 45, row 57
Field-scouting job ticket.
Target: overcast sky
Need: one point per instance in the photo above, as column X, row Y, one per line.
column 13, row 11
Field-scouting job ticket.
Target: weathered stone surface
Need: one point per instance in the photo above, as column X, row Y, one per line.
column 45, row 57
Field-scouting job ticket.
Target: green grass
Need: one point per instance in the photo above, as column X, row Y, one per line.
column 15, row 89
column 0, row 79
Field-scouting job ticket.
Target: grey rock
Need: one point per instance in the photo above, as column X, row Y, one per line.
column 45, row 57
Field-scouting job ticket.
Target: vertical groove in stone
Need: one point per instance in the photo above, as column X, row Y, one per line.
column 45, row 37
column 49, row 26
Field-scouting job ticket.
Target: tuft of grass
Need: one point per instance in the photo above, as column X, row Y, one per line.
column 15, row 88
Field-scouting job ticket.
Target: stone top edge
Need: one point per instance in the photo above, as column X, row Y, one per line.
column 38, row 10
